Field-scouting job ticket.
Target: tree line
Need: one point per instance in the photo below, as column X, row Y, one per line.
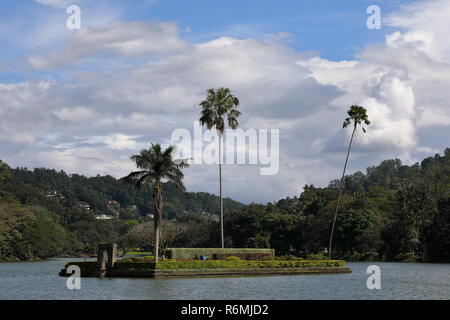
column 392, row 211
column 41, row 216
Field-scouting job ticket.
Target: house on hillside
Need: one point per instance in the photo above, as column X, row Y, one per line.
column 84, row 205
column 104, row 217
column 55, row 195
column 113, row 203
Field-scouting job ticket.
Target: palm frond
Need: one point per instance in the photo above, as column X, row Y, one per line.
column 357, row 116
column 218, row 105
column 156, row 164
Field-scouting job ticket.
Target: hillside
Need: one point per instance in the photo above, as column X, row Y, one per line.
column 46, row 213
column 393, row 212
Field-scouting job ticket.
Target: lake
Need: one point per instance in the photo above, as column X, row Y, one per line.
column 40, row 280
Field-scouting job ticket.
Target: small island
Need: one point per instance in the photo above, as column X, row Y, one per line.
column 202, row 262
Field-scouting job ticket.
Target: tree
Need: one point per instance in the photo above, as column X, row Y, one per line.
column 220, row 104
column 156, row 165
column 357, row 117
column 139, row 236
column 4, row 173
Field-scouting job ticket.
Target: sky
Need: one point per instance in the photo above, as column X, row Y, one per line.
column 84, row 100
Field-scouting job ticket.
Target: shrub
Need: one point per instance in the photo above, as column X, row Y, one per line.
column 232, row 258
column 290, row 257
column 139, row 253
column 242, row 256
column 148, row 259
column 318, row 256
column 353, row 256
column 139, row 260
column 245, row 264
column 210, row 253
column 373, row 256
column 88, row 267
column 407, row 257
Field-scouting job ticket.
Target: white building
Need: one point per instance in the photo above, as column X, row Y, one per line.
column 104, row 217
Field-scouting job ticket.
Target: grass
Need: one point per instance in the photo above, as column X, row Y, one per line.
column 247, row 264
column 214, row 264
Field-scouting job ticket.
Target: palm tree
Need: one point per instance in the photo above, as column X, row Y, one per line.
column 156, row 166
column 357, row 117
column 220, row 105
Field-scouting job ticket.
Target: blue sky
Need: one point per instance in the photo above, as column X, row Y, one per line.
column 333, row 29
column 84, row 100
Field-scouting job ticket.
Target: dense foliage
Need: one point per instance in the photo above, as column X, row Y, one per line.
column 246, row 264
column 43, row 213
column 215, row 253
column 393, row 212
column 214, row 264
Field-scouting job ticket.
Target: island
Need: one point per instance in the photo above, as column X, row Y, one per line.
column 201, row 262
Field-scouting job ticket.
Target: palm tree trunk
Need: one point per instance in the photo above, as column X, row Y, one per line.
column 340, row 192
column 222, row 242
column 157, row 219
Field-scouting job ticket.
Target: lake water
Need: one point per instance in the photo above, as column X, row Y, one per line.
column 40, row 280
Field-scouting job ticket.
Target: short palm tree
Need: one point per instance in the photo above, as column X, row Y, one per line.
column 156, row 166
column 357, row 117
column 220, row 107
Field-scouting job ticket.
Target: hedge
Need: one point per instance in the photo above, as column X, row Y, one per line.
column 246, row 264
column 89, row 268
column 144, row 259
column 189, row 253
column 243, row 256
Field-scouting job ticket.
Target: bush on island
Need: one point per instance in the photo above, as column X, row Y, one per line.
column 232, row 258
column 318, row 256
column 246, row 264
column 407, row 257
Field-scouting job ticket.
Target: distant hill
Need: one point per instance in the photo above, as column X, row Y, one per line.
column 45, row 212
column 393, row 212
column 107, row 195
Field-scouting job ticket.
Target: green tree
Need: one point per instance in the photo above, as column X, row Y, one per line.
column 437, row 234
column 357, row 117
column 156, row 165
column 4, row 173
column 220, row 105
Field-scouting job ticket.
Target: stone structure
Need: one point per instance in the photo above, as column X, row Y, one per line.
column 107, row 256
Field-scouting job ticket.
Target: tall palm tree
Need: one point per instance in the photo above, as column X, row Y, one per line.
column 357, row 117
column 219, row 107
column 156, row 166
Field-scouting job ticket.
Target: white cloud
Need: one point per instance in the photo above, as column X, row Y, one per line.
column 57, row 3
column 94, row 122
column 433, row 117
column 426, row 24
column 126, row 39
column 120, row 142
